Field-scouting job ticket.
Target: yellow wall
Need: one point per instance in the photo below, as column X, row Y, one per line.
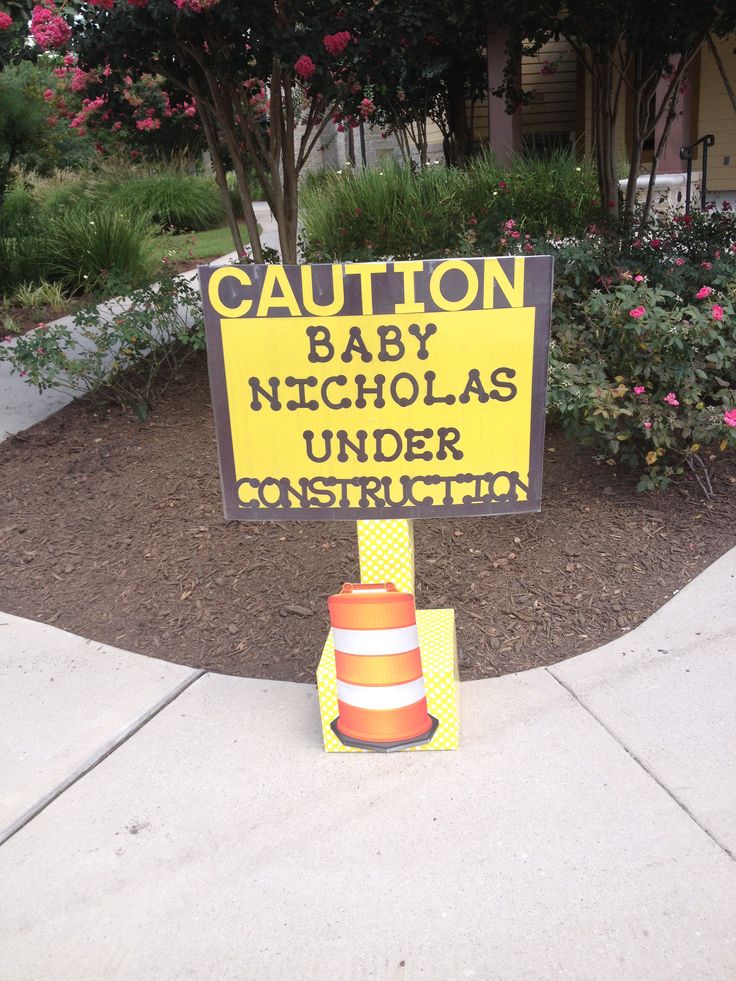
column 717, row 116
column 554, row 111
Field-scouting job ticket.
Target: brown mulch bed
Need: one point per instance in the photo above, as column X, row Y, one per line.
column 113, row 529
column 28, row 318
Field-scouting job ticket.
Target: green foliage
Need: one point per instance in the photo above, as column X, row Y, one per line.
column 88, row 248
column 643, row 372
column 437, row 210
column 43, row 294
column 19, row 208
column 171, row 199
column 179, row 203
column 23, row 257
column 126, row 351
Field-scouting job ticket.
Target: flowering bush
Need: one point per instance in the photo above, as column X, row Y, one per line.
column 126, row 351
column 648, row 377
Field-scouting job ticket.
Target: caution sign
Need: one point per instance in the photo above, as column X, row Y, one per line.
column 405, row 389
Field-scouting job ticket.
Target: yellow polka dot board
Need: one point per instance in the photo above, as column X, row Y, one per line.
column 438, row 647
column 386, row 551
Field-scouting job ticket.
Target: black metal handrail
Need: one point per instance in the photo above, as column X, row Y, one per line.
column 686, row 153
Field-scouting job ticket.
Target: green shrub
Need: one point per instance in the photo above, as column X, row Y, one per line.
column 648, row 377
column 88, row 249
column 19, row 208
column 23, row 257
column 124, row 352
column 176, row 202
column 396, row 212
column 171, row 198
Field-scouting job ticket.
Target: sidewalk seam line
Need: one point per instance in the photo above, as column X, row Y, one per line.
column 107, row 750
column 641, row 764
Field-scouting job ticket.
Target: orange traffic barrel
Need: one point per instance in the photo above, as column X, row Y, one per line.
column 380, row 684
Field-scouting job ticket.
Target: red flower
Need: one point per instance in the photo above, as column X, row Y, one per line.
column 336, row 43
column 5, row 20
column 48, row 28
column 305, row 67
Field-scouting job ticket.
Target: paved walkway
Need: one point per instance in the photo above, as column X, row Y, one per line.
column 162, row 823
column 22, row 405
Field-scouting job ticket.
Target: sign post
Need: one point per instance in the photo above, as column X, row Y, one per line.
column 381, row 392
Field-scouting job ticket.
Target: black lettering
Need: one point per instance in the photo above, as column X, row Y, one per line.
column 369, row 487
column 356, row 344
column 430, row 398
column 301, row 384
column 363, row 390
column 380, row 435
column 387, row 484
column 287, row 488
column 269, row 482
column 415, row 440
column 510, row 373
column 414, row 389
column 327, row 437
column 334, row 380
column 408, row 484
column 272, row 396
column 345, row 443
column 312, row 486
column 474, row 386
column 319, row 337
column 416, row 331
column 248, row 482
column 449, row 437
column 390, row 336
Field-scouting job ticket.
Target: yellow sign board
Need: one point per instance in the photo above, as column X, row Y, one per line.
column 406, row 389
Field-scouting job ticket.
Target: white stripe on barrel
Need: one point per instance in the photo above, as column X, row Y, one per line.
column 395, row 640
column 381, row 696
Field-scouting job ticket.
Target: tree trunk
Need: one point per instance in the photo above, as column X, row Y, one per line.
column 604, row 126
column 220, row 175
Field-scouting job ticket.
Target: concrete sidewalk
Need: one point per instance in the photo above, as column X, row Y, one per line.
column 22, row 405
column 168, row 824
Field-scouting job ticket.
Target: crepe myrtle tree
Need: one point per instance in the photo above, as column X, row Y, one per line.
column 266, row 78
column 627, row 49
column 424, row 61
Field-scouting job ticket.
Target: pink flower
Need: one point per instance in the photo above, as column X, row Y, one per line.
column 679, row 262
column 647, row 424
column 515, row 234
column 639, row 389
column 637, row 312
column 48, row 28
column 717, row 311
column 706, row 265
column 656, row 243
column 703, row 292
column 305, row 67
column 117, row 125
column 5, row 20
column 729, row 417
column 639, row 279
column 336, row 43
column 671, row 399
column 48, row 94
column 508, row 225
